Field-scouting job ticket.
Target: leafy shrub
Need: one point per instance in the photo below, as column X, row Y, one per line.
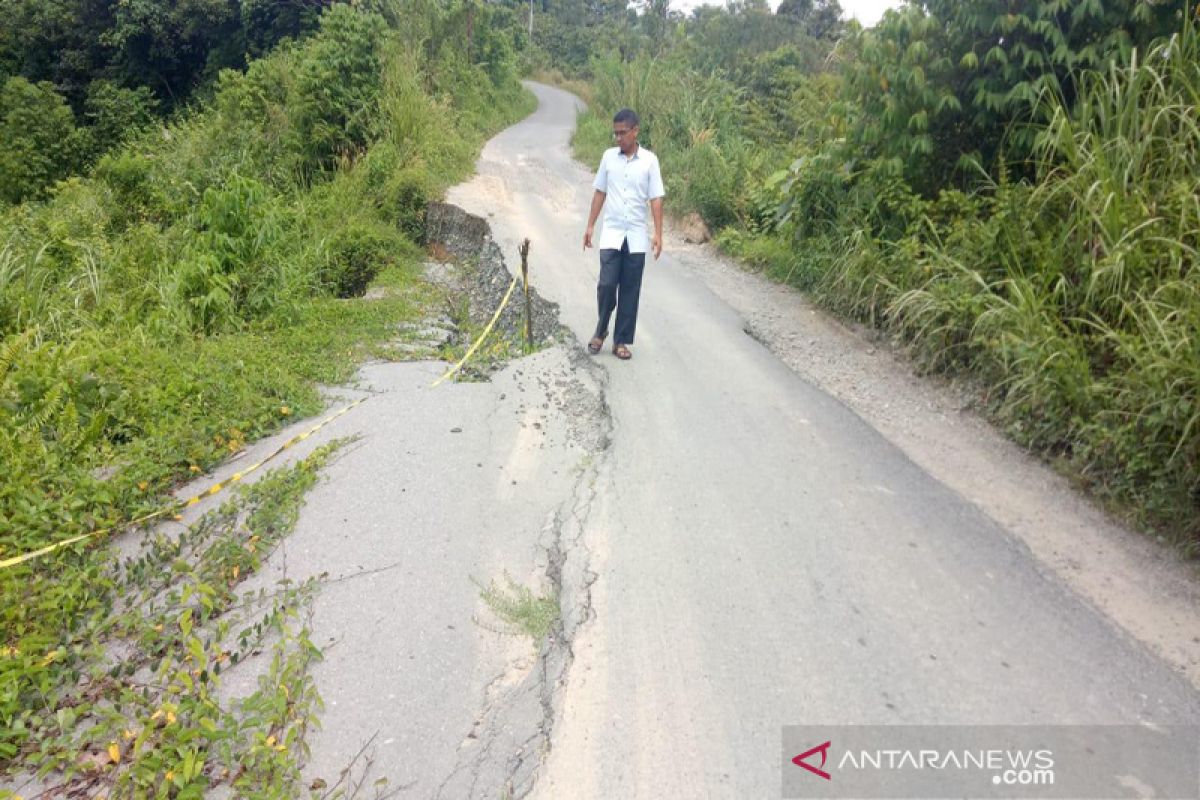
column 233, row 265
column 114, row 113
column 135, row 182
column 706, row 182
column 338, row 86
column 357, row 252
column 405, row 196
column 41, row 143
column 400, row 189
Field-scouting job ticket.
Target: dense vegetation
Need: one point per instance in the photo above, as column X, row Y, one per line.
column 1011, row 188
column 185, row 295
column 190, row 191
column 77, row 77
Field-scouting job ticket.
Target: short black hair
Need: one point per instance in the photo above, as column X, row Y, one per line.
column 627, row 116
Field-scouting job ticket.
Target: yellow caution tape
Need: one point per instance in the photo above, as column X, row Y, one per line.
column 209, row 492
column 482, row 336
column 12, row 562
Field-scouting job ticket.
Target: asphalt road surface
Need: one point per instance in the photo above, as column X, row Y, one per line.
column 755, row 556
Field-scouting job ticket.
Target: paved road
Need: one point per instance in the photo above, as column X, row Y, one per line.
column 755, row 556
column 744, row 554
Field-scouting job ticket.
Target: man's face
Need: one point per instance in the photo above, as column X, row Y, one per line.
column 625, row 135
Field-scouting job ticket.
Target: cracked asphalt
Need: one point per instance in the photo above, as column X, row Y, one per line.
column 733, row 549
column 441, row 491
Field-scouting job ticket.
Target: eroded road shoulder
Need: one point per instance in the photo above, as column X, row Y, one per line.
column 448, row 534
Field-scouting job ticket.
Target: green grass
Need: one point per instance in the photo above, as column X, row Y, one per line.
column 151, row 720
column 520, row 610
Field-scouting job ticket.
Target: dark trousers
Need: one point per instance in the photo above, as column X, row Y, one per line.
column 619, row 287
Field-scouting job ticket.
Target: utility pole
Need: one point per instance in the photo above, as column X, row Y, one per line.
column 531, row 23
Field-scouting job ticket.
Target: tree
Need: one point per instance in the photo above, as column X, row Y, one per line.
column 166, row 45
column 731, row 39
column 655, row 19
column 60, row 41
column 339, row 85
column 820, row 19
column 40, row 142
column 965, row 78
column 906, row 90
column 114, row 112
column 1015, row 52
column 267, row 22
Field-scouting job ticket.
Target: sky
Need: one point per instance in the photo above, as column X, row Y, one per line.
column 866, row 12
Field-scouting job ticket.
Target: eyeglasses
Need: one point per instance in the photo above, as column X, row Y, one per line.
column 619, row 134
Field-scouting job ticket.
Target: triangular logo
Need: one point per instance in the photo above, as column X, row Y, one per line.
column 823, row 749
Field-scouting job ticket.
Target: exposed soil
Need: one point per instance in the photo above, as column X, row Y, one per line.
column 465, row 240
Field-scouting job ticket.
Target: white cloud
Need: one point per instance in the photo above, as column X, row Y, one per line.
column 867, row 12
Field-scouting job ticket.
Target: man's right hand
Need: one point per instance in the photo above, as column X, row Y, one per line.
column 587, row 237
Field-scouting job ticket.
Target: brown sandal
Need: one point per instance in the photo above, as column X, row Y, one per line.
column 597, row 343
column 622, row 352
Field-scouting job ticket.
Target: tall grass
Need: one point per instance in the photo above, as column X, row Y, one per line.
column 1124, row 169
column 1075, row 297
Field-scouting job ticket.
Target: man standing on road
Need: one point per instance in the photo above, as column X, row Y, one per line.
column 628, row 179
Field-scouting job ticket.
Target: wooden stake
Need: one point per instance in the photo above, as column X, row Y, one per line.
column 528, row 303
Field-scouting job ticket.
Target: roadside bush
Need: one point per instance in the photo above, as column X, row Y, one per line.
column 405, row 196
column 357, row 252
column 399, row 190
column 231, row 271
column 705, row 181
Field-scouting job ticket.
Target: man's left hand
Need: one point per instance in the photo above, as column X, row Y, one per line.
column 656, row 243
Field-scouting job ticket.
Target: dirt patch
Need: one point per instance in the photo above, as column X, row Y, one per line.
column 476, row 277
column 470, row 279
column 1139, row 583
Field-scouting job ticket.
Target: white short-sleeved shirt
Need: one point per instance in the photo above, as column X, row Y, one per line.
column 629, row 184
